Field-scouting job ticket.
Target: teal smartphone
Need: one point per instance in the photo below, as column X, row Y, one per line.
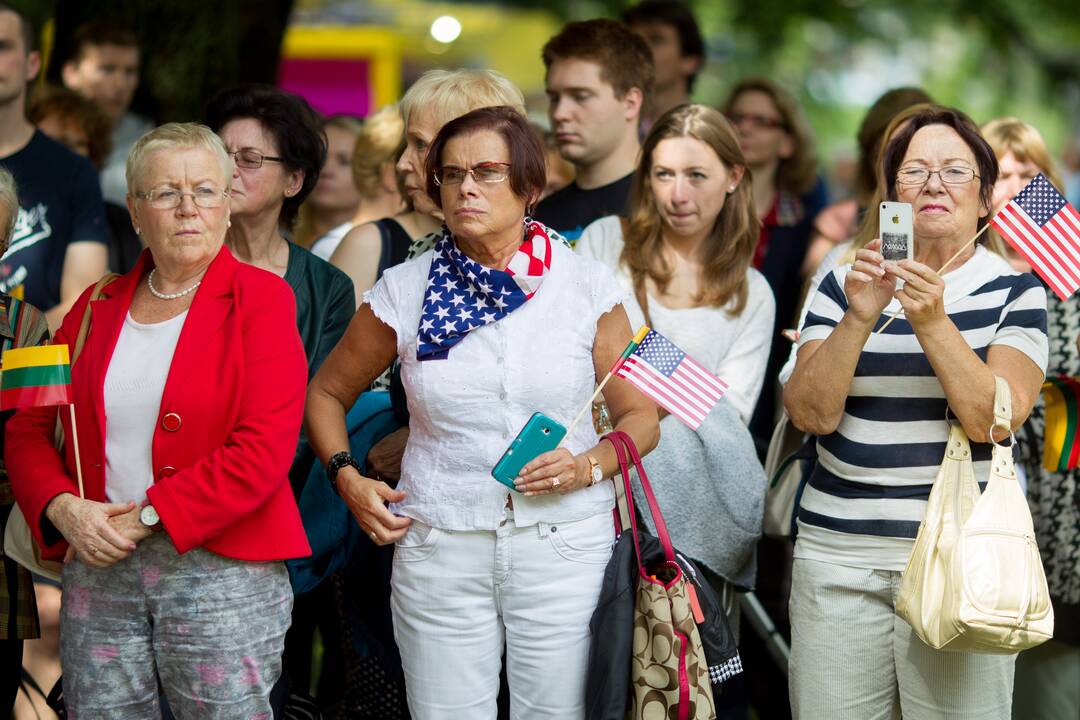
column 540, row 435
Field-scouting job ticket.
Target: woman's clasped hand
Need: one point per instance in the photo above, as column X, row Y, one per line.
column 557, row 471
column 871, row 286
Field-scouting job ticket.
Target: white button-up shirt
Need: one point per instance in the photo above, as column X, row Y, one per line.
column 466, row 409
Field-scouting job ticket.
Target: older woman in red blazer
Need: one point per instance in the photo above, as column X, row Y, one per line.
column 189, row 395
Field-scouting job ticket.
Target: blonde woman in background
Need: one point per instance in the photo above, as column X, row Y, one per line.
column 328, row 212
column 1022, row 154
column 1046, row 676
column 372, row 175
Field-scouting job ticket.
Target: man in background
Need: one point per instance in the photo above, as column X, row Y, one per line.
column 599, row 75
column 60, row 242
column 104, row 68
column 678, row 50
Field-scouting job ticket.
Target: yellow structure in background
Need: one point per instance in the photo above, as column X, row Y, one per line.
column 381, row 47
column 505, row 39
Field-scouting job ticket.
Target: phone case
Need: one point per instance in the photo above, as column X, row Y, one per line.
column 540, row 435
column 895, row 227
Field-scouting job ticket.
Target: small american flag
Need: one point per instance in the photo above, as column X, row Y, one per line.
column 1045, row 230
column 673, row 379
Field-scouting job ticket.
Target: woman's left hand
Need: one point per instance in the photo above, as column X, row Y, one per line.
column 558, row 471
column 922, row 295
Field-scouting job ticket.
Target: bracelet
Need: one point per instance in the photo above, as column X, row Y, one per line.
column 334, row 465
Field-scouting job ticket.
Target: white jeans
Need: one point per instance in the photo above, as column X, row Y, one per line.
column 853, row 658
column 457, row 597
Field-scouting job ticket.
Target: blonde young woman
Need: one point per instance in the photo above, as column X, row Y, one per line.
column 328, row 212
column 1022, row 154
column 683, row 259
column 372, row 174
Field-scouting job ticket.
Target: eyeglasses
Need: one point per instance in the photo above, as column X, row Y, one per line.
column 169, row 198
column 949, row 175
column 252, row 159
column 761, row 122
column 492, row 172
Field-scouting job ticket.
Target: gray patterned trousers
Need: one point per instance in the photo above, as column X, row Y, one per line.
column 211, row 628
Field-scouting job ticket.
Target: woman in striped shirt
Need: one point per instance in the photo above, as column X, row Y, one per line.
column 878, row 404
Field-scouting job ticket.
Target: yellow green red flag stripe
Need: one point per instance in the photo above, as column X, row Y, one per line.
column 35, row 376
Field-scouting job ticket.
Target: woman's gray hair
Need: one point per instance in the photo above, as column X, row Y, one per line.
column 177, row 136
column 9, row 203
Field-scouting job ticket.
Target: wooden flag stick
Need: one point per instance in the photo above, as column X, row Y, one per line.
column 940, row 270
column 78, row 460
column 630, row 348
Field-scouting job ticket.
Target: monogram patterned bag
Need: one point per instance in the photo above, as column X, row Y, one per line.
column 670, row 676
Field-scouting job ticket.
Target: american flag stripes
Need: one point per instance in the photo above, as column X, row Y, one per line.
column 672, row 379
column 1045, row 230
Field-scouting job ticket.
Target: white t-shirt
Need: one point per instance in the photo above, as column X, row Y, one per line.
column 830, row 262
column 325, row 246
column 734, row 348
column 464, row 410
column 134, row 383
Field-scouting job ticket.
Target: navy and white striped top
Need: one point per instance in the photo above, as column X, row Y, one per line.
column 863, row 503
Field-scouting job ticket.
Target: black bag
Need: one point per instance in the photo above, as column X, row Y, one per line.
column 607, row 685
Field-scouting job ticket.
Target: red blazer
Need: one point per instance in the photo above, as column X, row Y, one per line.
column 227, row 429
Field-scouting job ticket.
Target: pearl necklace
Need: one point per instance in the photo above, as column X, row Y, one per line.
column 167, row 296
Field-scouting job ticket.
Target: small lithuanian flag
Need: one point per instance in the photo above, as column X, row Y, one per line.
column 1061, row 449
column 35, row 376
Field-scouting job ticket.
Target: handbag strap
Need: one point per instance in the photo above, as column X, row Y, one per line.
column 617, row 439
column 84, row 324
column 1002, row 407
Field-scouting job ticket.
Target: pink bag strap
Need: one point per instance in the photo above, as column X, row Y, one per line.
column 624, row 444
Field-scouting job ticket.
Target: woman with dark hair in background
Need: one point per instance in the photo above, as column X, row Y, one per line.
column 278, row 147
column 788, row 194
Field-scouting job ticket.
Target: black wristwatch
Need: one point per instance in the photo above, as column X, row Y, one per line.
column 338, row 461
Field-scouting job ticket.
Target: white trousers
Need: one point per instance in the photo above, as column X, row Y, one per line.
column 853, row 658
column 459, row 597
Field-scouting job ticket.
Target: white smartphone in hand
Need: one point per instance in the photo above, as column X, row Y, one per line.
column 897, row 236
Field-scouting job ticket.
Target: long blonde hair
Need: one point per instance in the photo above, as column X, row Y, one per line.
column 729, row 248
column 1010, row 134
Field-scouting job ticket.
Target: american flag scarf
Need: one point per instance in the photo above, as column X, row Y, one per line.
column 462, row 294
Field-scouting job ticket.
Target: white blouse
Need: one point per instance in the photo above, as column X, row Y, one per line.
column 466, row 409
column 735, row 348
column 134, row 383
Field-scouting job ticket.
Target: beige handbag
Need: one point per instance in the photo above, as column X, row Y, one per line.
column 975, row 580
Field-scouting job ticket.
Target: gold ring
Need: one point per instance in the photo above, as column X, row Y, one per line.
column 555, row 481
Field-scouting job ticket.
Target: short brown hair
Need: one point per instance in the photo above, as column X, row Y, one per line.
column 798, row 173
column 731, row 242
column 625, row 59
column 49, row 100
column 872, row 132
column 528, row 168
column 968, row 132
column 99, row 33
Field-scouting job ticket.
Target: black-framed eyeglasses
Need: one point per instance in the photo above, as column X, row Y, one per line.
column 949, row 175
column 489, row 172
column 252, row 159
column 167, row 198
column 761, row 122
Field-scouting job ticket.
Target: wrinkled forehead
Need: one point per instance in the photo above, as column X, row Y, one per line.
column 938, row 145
